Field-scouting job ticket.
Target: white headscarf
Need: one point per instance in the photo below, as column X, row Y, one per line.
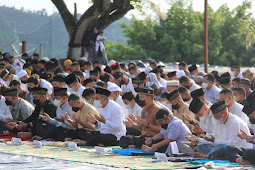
column 153, row 79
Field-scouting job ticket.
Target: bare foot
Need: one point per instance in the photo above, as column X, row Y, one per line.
column 131, row 146
column 80, row 142
column 242, row 162
column 25, row 135
column 100, row 144
column 199, row 155
column 68, row 139
column 37, row 137
column 50, row 139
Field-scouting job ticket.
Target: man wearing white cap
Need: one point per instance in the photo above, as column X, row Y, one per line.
column 172, row 85
column 179, row 74
column 115, row 96
column 147, row 70
column 23, row 76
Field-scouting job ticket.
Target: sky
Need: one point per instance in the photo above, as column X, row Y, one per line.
column 82, row 5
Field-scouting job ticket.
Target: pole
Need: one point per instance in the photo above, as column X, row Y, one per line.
column 41, row 51
column 12, row 48
column 206, row 36
column 23, row 47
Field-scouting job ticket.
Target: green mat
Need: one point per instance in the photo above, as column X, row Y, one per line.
column 88, row 155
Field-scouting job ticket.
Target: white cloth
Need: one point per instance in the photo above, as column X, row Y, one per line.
column 237, row 109
column 4, row 110
column 3, row 82
column 180, row 73
column 162, row 82
column 122, row 105
column 99, row 42
column 113, row 115
column 240, row 75
column 135, row 110
column 21, row 74
column 129, row 87
column 79, row 91
column 207, row 123
column 227, row 133
column 45, row 84
column 112, row 87
column 153, row 79
column 147, row 70
column 212, row 94
column 194, row 86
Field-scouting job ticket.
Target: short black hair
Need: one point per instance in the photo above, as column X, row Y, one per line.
column 182, row 89
column 14, row 83
column 163, row 95
column 183, row 64
column 184, row 79
column 122, row 65
column 74, row 97
column 153, row 63
column 227, row 92
column 75, row 64
column 87, row 63
column 88, row 92
column 96, row 62
column 132, row 63
column 128, row 96
column 36, row 54
column 133, row 68
column 240, row 90
column 210, row 77
column 237, row 79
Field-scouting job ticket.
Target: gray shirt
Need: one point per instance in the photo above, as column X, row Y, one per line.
column 61, row 110
column 22, row 110
column 176, row 130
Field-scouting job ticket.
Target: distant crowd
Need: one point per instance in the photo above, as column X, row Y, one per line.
column 205, row 115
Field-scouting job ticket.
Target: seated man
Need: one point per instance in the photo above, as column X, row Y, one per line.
column 188, row 83
column 31, row 83
column 19, row 108
column 225, row 133
column 185, row 94
column 172, row 129
column 16, row 84
column 73, row 82
column 211, row 91
column 5, row 115
column 89, row 95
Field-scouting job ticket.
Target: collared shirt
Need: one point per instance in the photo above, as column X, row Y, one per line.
column 237, row 109
column 129, row 87
column 184, row 108
column 87, row 109
column 212, row 94
column 113, row 115
column 22, row 110
column 4, row 110
column 227, row 133
column 45, row 84
column 61, row 110
column 207, row 123
column 120, row 102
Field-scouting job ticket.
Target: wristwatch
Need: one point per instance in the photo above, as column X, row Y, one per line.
column 148, row 126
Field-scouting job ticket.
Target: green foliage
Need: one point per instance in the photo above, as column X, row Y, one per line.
column 180, row 36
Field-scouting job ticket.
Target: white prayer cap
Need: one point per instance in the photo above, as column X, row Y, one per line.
column 46, row 59
column 172, row 83
column 21, row 74
column 147, row 70
column 113, row 87
column 111, row 62
column 180, row 73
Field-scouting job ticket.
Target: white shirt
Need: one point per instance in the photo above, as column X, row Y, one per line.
column 212, row 94
column 194, row 86
column 135, row 110
column 207, row 123
column 240, row 75
column 4, row 110
column 129, row 87
column 80, row 90
column 113, row 115
column 162, row 82
column 122, row 105
column 237, row 109
column 227, row 133
column 45, row 84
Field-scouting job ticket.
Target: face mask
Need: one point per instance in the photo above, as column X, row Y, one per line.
column 204, row 85
column 236, row 98
column 111, row 98
column 175, row 107
column 141, row 103
column 233, row 73
column 220, row 87
column 73, row 88
column 75, row 109
column 8, row 102
column 194, row 75
column 252, row 121
column 133, row 76
column 23, row 81
column 164, row 126
column 57, row 102
column 122, row 82
column 90, row 102
column 222, row 120
column 97, row 104
column 127, row 106
column 36, row 101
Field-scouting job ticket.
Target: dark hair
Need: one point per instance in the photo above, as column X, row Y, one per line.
column 88, row 92
column 75, row 64
column 237, row 79
column 183, row 64
column 96, row 62
column 184, row 79
column 78, row 73
column 182, row 89
column 74, row 97
column 227, row 92
column 153, row 63
column 210, row 77
column 163, row 95
column 133, row 68
column 122, row 65
column 14, row 83
column 128, row 96
column 27, row 65
column 5, row 59
column 87, row 63
column 240, row 90
column 58, row 70
column 36, row 54
column 132, row 63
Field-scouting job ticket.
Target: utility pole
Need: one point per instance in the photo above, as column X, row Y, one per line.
column 206, row 36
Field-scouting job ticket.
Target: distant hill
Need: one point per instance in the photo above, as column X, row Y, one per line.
column 38, row 28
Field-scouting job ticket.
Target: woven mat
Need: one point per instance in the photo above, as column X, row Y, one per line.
column 88, row 155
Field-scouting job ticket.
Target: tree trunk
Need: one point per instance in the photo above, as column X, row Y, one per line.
column 100, row 15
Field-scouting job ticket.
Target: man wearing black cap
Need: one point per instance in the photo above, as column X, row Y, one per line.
column 172, row 129
column 89, row 83
column 195, row 72
column 179, row 107
column 6, row 77
column 246, row 84
column 172, row 75
column 124, row 82
column 34, row 122
column 94, row 74
column 224, row 134
column 199, row 93
column 109, row 122
column 74, row 84
column 19, row 108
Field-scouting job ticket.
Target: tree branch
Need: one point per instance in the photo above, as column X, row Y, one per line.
column 67, row 17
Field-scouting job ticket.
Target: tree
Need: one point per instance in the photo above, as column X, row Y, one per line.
column 100, row 15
